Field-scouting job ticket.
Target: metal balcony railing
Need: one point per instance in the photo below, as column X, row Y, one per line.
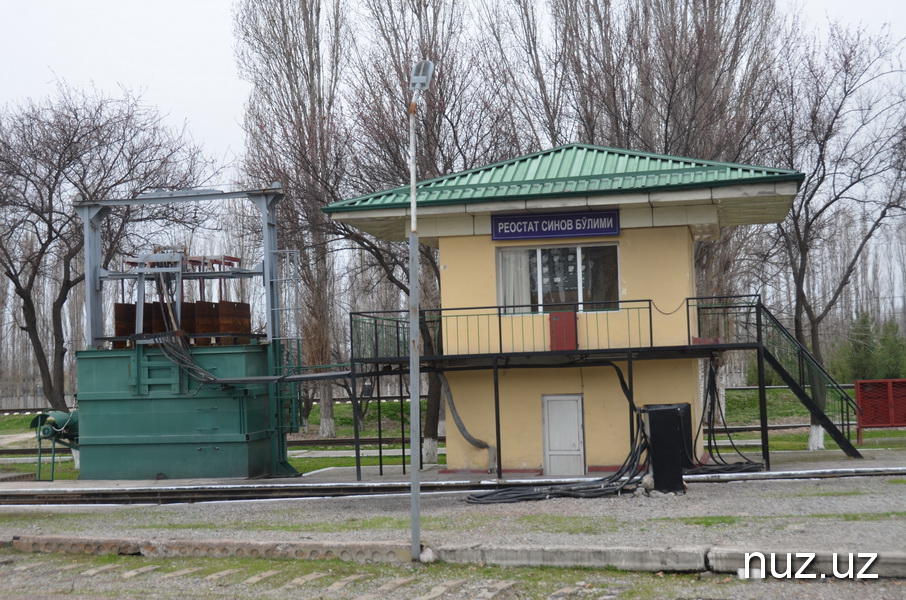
column 732, row 322
column 505, row 330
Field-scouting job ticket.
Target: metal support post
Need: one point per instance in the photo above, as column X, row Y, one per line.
column 497, row 420
column 414, row 358
column 354, row 398
column 762, row 394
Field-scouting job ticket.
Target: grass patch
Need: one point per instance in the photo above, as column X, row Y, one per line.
column 26, row 518
column 847, row 493
column 895, row 481
column 567, row 524
column 707, row 521
column 392, row 412
column 64, row 470
column 316, row 463
column 379, row 523
column 371, row 523
column 12, row 424
column 463, row 523
column 742, row 406
column 799, row 440
column 888, row 516
column 719, row 520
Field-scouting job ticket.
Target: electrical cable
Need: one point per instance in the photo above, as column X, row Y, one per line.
column 624, row 479
column 172, row 343
column 172, row 346
column 714, row 409
column 667, row 314
column 445, row 387
column 461, row 427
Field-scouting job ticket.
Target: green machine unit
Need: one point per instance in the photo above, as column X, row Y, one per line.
column 183, row 388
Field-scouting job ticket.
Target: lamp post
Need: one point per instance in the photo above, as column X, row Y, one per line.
column 419, row 80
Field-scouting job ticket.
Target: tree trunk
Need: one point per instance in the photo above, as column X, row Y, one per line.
column 432, row 420
column 325, row 396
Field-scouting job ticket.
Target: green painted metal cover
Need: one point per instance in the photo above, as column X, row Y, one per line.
column 571, row 170
column 141, row 418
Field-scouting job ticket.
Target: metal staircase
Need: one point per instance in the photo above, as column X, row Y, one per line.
column 744, row 322
column 807, row 379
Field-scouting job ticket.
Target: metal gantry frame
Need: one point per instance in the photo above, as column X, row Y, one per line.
column 172, row 266
column 94, row 212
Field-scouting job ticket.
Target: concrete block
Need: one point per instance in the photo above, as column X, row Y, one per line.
column 459, row 554
column 685, row 559
column 370, row 552
column 76, row 545
column 732, row 560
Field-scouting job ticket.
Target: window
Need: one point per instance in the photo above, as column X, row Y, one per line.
column 536, row 279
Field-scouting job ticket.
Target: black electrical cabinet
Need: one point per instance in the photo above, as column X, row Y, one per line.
column 669, row 428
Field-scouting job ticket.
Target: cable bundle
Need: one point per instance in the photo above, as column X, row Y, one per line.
column 172, row 345
column 721, row 465
column 625, row 478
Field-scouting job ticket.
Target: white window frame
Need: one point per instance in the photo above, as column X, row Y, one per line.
column 538, row 265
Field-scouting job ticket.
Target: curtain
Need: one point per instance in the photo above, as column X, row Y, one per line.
column 516, row 276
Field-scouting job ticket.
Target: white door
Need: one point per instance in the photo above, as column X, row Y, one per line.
column 564, row 446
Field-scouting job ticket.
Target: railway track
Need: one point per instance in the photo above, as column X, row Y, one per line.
column 281, row 489
column 229, row 492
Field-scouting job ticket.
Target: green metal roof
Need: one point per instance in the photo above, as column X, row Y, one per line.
column 571, row 170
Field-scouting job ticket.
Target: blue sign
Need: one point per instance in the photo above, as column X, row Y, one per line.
column 534, row 227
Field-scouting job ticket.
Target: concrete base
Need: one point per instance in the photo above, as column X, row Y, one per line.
column 630, row 559
column 371, row 552
column 685, row 559
column 821, row 564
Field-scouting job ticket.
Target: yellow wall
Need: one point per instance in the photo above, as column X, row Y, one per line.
column 606, row 416
column 654, row 263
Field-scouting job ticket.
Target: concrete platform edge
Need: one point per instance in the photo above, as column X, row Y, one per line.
column 358, row 552
column 687, row 559
column 886, row 564
column 680, row 559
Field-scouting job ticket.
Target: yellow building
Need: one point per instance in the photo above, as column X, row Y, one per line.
column 563, row 273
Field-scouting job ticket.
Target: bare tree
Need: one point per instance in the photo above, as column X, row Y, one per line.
column 841, row 116
column 676, row 77
column 293, row 52
column 527, row 65
column 465, row 124
column 75, row 146
column 687, row 78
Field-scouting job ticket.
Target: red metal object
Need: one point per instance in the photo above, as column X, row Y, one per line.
column 563, row 331
column 883, row 404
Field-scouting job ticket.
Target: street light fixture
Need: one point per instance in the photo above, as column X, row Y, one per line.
column 419, row 81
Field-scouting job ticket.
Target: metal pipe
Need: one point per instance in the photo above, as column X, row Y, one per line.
column 414, row 359
column 497, row 421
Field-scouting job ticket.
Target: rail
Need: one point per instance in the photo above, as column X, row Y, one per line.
column 808, row 373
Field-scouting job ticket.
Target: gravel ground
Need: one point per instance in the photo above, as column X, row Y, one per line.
column 852, row 514
column 860, row 514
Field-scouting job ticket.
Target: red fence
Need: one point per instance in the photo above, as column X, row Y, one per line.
column 883, row 404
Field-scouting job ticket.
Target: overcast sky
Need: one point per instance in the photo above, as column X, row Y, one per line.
column 179, row 54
